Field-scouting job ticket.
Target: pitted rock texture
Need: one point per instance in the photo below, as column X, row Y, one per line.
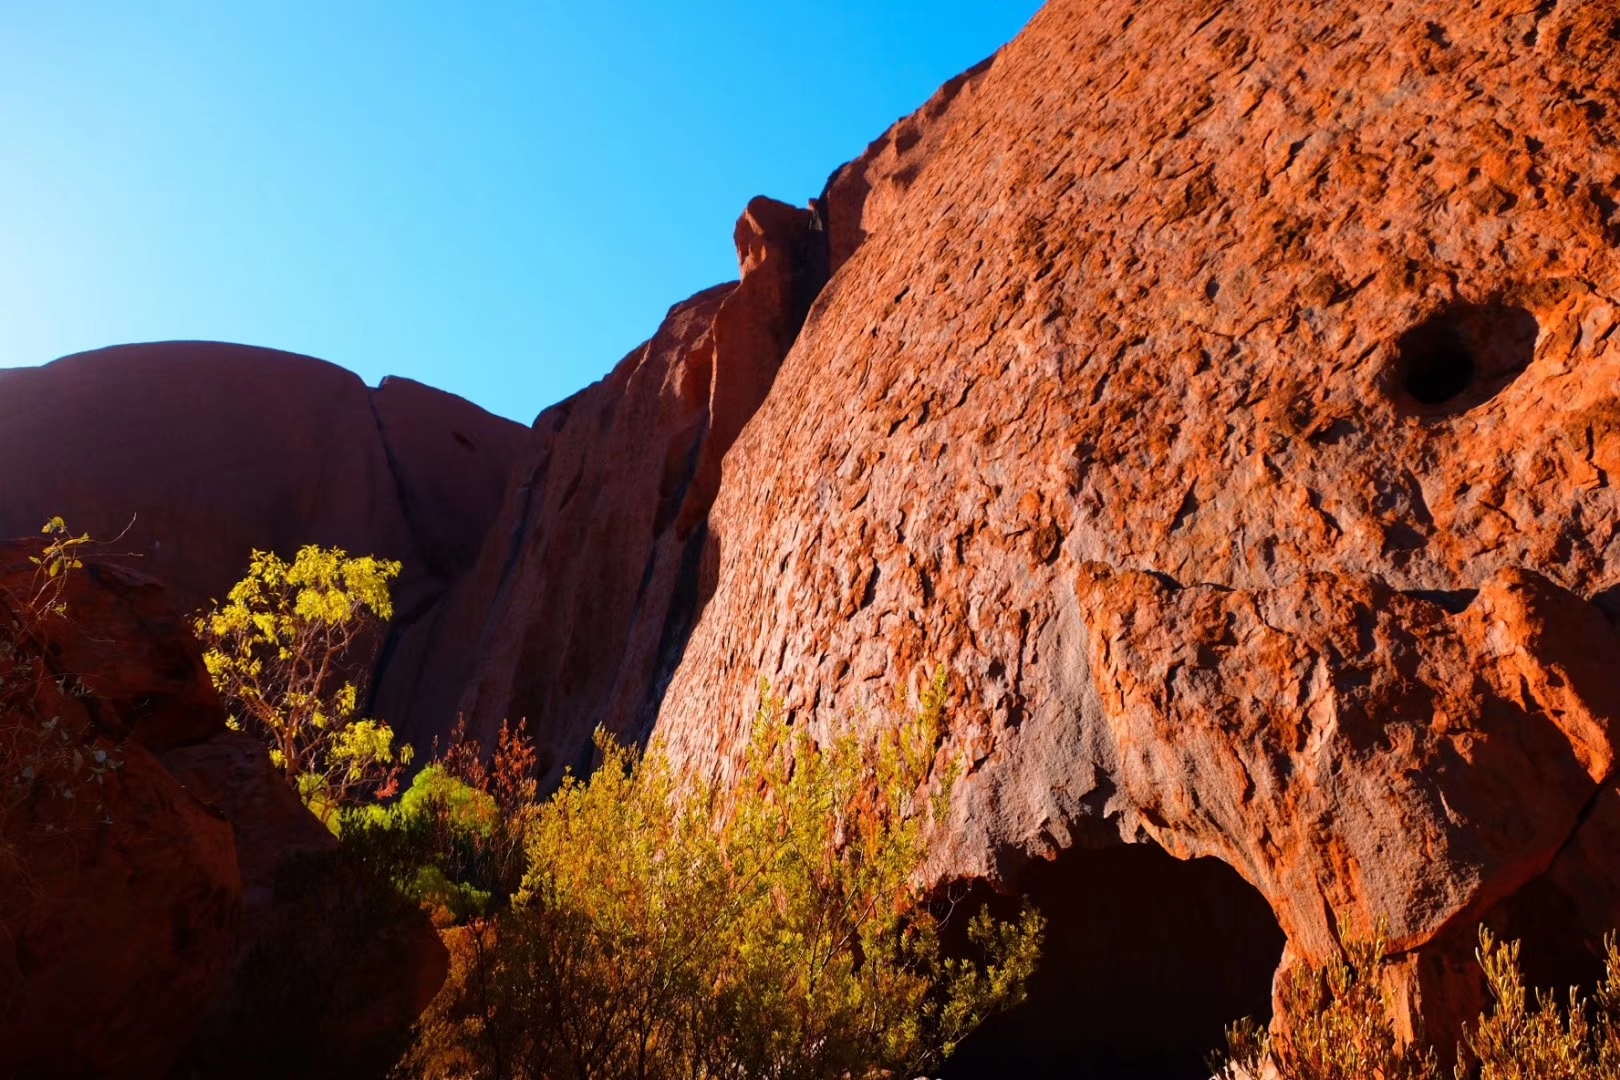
column 1311, row 313
column 588, row 585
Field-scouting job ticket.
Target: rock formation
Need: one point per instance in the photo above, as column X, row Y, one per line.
column 133, row 903
column 1225, row 396
column 585, row 591
column 187, row 455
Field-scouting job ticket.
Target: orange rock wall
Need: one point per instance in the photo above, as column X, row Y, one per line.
column 1179, row 399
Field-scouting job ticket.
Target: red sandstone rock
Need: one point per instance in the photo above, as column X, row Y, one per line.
column 1314, row 302
column 186, row 456
column 1223, row 393
column 128, row 913
column 201, row 452
column 584, row 594
column 450, row 461
column 120, row 898
column 863, row 196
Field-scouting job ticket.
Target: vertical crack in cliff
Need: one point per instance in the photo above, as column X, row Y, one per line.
column 402, row 619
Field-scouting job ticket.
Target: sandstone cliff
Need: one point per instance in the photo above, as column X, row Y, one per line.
column 1226, row 398
column 586, row 588
column 1224, row 394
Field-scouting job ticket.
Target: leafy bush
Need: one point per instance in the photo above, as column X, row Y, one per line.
column 774, row 932
column 1515, row 1042
column 279, row 649
column 1341, row 1027
column 454, row 841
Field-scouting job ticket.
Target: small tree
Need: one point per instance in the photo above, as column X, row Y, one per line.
column 284, row 651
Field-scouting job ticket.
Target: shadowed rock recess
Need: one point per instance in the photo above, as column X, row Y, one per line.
column 1223, row 394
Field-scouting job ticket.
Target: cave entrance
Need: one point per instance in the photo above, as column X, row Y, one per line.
column 1148, row 958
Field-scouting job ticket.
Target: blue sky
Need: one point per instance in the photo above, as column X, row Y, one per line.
column 500, row 199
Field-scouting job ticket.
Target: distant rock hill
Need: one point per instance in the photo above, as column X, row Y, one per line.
column 187, row 455
column 1224, row 394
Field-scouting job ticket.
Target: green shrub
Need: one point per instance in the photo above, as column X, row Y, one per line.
column 770, row 930
column 1513, row 1041
column 1340, row 1026
column 454, row 841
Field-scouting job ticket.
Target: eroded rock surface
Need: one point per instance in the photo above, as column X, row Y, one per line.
column 1207, row 363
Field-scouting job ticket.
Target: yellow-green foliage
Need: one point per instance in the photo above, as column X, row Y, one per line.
column 1514, row 1041
column 1340, row 1027
column 772, row 929
column 454, row 841
column 279, row 649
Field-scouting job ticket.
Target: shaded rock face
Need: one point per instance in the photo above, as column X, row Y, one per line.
column 592, row 576
column 120, row 905
column 132, row 911
column 188, row 455
column 1237, row 429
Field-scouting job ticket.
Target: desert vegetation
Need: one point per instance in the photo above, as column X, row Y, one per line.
column 44, row 759
column 635, row 923
column 288, row 651
column 769, row 928
column 1340, row 1028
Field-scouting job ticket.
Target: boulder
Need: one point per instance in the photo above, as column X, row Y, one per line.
column 121, row 896
column 152, row 857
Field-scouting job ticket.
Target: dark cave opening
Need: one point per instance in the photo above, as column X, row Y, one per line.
column 1148, row 958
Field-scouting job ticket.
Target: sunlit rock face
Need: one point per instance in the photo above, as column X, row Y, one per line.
column 1225, row 396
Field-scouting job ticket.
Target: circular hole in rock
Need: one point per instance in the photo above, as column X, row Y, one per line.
column 1147, row 959
column 1464, row 356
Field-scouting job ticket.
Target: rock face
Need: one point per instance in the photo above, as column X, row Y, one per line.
column 583, row 596
column 121, row 896
column 1225, row 394
column 188, row 455
column 131, row 903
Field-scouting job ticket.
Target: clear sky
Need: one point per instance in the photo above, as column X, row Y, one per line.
column 500, row 199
